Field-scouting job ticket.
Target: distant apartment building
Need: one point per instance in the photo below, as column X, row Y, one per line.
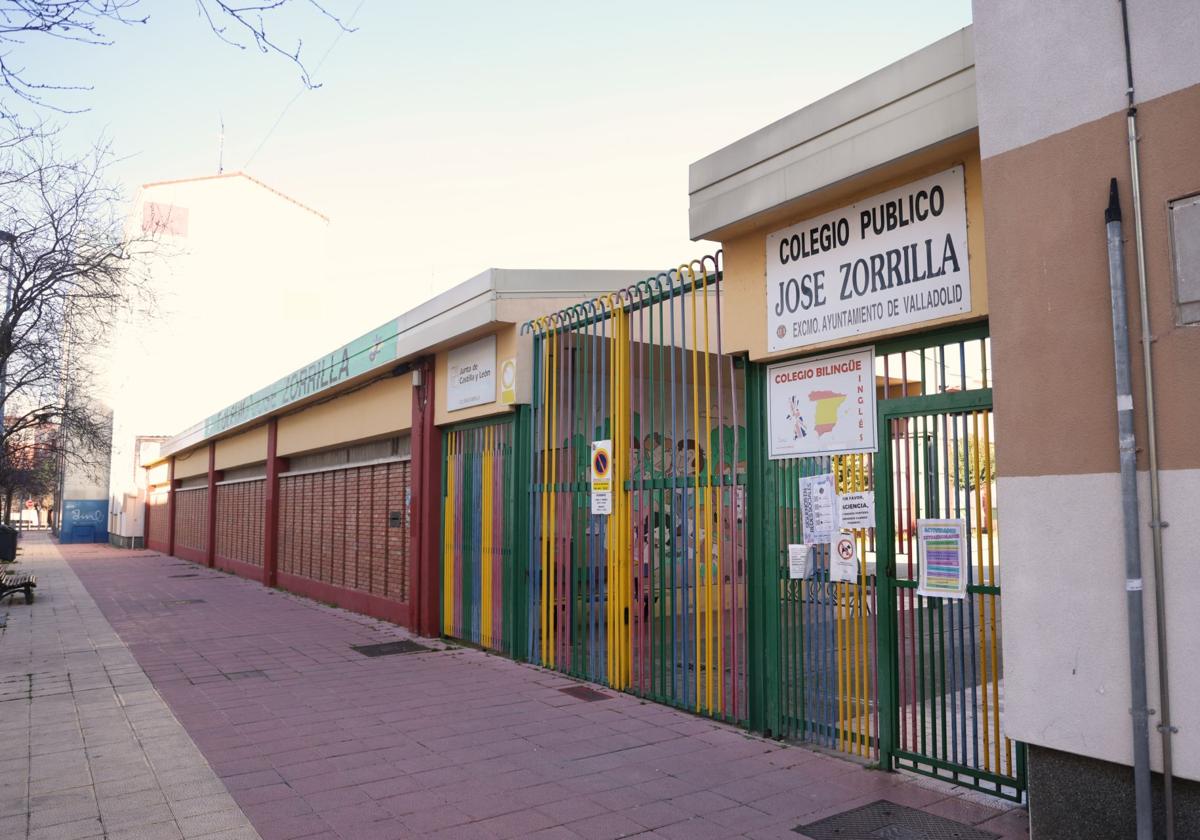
column 239, row 278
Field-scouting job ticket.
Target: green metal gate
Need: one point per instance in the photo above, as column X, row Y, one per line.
column 871, row 667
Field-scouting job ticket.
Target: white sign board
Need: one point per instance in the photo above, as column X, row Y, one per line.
column 601, row 477
column 942, row 549
column 797, row 561
column 891, row 260
column 856, row 511
column 471, row 374
column 816, row 508
column 843, row 560
column 823, row 406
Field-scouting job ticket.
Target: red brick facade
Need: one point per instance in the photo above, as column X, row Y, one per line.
column 156, row 509
column 191, row 523
column 334, row 528
column 239, row 531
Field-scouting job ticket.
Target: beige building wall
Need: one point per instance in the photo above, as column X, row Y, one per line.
column 744, row 285
column 1066, row 654
column 380, row 409
column 189, row 464
column 1053, row 134
column 157, row 474
column 249, row 447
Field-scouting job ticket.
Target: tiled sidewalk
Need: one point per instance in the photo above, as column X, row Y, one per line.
column 315, row 740
column 87, row 746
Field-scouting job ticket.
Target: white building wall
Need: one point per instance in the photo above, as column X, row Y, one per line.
column 1070, row 691
column 242, row 288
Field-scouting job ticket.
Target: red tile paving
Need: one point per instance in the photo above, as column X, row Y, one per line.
column 314, row 740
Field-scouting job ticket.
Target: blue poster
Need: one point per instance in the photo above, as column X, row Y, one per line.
column 84, row 521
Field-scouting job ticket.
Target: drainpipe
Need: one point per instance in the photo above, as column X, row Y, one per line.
column 1165, row 728
column 1132, row 531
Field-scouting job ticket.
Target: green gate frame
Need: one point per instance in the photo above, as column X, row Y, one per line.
column 765, row 680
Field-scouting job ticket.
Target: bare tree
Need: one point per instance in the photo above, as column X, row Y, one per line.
column 71, row 269
column 244, row 24
column 30, row 469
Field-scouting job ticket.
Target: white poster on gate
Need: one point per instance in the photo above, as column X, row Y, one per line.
column 797, row 562
column 823, row 406
column 471, row 374
column 895, row 259
column 816, row 508
column 856, row 511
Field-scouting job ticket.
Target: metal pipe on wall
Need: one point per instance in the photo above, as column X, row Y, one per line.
column 1132, row 531
column 1165, row 728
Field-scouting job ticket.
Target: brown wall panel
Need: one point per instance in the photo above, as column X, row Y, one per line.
column 1051, row 317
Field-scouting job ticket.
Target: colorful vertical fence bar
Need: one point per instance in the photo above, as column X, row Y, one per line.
column 651, row 597
column 477, row 532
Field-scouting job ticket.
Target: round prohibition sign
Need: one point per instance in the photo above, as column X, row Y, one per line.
column 600, row 463
column 845, row 548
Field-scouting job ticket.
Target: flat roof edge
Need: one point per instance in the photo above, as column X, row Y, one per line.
column 458, row 311
column 928, row 65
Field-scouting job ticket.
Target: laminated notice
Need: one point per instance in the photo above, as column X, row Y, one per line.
column 797, row 562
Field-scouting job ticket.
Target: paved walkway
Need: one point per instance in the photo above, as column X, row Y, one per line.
column 314, row 740
column 88, row 748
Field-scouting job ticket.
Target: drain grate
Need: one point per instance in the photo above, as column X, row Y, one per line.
column 244, row 675
column 390, row 648
column 180, row 602
column 190, row 574
column 889, row 821
column 582, row 692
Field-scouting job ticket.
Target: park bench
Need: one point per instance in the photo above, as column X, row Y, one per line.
column 18, row 582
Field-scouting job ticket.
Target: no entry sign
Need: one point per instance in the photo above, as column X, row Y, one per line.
column 602, row 477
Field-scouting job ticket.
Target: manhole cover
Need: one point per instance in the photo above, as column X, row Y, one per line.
column 183, row 601
column 582, row 692
column 245, row 675
column 192, row 574
column 889, row 821
column 390, row 648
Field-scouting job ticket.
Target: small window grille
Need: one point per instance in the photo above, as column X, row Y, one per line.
column 397, row 447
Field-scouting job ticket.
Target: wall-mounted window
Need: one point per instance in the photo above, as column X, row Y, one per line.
column 1184, row 216
column 348, row 456
column 245, row 473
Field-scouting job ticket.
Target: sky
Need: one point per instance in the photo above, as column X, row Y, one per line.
column 448, row 137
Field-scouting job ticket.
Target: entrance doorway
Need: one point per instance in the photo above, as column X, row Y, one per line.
column 872, row 667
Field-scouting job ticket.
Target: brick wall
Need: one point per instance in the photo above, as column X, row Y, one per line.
column 191, row 519
column 333, row 528
column 156, row 509
column 239, row 528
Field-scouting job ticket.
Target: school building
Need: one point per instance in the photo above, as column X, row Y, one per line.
column 854, row 480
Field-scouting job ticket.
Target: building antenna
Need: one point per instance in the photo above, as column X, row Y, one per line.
column 221, row 146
